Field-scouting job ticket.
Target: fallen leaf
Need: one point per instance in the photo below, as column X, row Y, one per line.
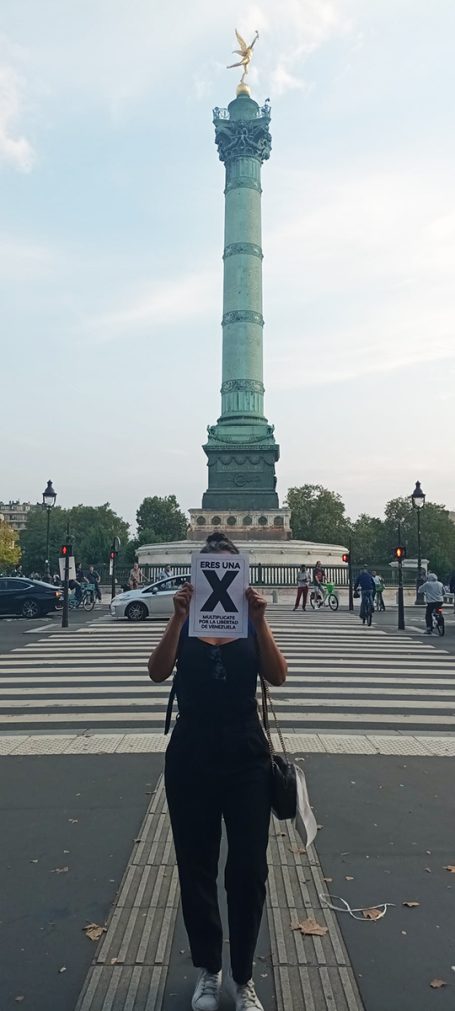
column 33, row 861
column 451, row 868
column 319, row 827
column 310, row 927
column 436, row 984
column 73, row 821
column 428, row 870
column 93, row 931
column 66, row 851
column 114, row 961
column 347, row 877
column 264, row 975
column 63, row 968
column 410, row 905
column 404, row 932
column 297, row 849
column 60, row 870
column 372, row 914
column 328, row 879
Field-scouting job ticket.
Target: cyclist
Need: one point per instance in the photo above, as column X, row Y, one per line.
column 318, row 580
column 434, row 596
column 365, row 583
column 94, row 578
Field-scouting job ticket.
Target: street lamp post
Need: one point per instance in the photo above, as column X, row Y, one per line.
column 49, row 497
column 418, row 501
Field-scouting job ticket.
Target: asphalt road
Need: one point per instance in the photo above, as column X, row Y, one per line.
column 15, row 632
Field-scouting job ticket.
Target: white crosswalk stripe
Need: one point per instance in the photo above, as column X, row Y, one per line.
column 342, row 677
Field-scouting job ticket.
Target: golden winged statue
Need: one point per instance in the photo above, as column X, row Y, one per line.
column 245, row 52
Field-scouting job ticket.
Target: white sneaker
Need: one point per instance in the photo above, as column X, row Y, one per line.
column 245, row 997
column 206, row 996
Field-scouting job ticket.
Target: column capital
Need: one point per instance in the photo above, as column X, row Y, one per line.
column 243, row 132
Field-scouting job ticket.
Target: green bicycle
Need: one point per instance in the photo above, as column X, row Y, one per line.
column 328, row 599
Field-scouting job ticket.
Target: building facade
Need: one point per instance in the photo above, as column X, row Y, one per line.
column 16, row 514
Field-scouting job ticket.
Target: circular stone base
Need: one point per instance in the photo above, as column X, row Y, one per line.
column 268, row 553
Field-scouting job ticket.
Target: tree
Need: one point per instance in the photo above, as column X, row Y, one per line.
column 369, row 541
column 160, row 520
column 92, row 529
column 10, row 551
column 437, row 533
column 317, row 514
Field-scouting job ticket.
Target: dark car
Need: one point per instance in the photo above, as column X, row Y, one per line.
column 27, row 597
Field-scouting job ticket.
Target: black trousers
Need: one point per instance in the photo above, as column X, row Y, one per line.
column 210, row 776
column 429, row 613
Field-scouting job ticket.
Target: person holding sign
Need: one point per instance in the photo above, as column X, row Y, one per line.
column 218, row 767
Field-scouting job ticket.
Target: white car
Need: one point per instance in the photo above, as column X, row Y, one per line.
column 151, row 601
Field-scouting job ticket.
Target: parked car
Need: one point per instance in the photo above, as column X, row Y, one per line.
column 27, row 597
column 151, row 601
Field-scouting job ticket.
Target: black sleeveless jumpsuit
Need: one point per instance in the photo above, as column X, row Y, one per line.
column 218, row 766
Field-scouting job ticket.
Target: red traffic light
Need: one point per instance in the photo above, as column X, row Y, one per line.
column 66, row 550
column 112, row 555
column 346, row 557
column 399, row 552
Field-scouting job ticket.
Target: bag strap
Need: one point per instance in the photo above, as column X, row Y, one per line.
column 266, row 703
column 170, row 703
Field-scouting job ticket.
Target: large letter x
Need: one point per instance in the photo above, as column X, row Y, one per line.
column 219, row 595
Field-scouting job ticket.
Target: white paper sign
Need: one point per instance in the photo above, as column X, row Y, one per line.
column 72, row 568
column 218, row 605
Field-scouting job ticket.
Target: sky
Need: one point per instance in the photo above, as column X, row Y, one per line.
column 111, row 237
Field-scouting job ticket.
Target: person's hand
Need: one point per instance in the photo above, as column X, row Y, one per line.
column 182, row 601
column 256, row 606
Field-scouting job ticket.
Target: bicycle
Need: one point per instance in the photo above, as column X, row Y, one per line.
column 329, row 599
column 366, row 609
column 437, row 621
column 86, row 600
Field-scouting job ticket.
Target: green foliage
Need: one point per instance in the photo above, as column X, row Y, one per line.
column 369, row 541
column 10, row 551
column 437, row 532
column 160, row 520
column 92, row 529
column 317, row 514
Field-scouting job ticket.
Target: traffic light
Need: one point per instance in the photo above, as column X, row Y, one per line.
column 113, row 555
column 66, row 550
column 346, row 557
column 399, row 552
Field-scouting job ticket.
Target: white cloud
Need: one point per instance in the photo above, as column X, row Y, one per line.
column 15, row 149
column 364, row 270
column 165, row 303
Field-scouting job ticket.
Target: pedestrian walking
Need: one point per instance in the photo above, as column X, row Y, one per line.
column 303, row 584
column 166, row 573
column 379, row 587
column 218, row 766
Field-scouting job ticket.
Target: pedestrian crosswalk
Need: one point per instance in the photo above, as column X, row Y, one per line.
column 342, row 677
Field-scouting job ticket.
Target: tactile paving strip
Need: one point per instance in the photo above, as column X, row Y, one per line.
column 310, row 972
column 131, row 962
